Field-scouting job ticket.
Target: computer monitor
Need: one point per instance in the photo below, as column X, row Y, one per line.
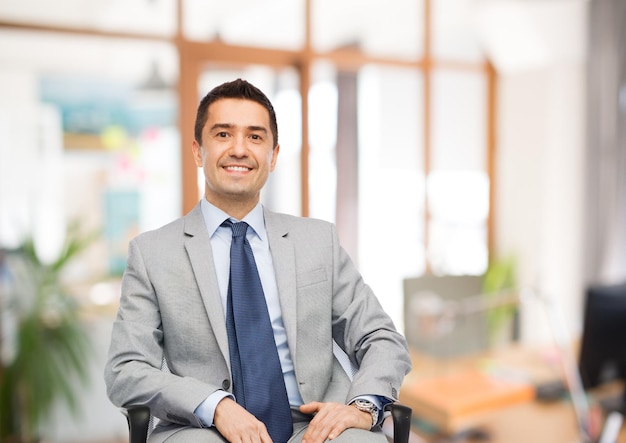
column 603, row 346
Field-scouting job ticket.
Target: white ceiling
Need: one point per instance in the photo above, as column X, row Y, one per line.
column 514, row 34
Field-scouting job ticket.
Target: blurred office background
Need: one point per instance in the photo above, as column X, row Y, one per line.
column 486, row 129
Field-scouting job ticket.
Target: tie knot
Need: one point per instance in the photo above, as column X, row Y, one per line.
column 239, row 228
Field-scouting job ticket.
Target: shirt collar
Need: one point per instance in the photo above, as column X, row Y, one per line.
column 214, row 217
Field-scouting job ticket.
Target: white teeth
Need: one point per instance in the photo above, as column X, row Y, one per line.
column 237, row 168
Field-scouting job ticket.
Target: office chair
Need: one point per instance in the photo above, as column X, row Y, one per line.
column 138, row 418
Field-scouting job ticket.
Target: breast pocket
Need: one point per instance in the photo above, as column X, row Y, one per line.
column 312, row 277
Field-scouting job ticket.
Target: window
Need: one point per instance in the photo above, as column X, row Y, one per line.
column 384, row 113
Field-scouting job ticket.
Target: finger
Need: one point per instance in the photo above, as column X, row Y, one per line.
column 265, row 437
column 330, row 419
column 311, row 408
column 336, row 428
column 237, row 425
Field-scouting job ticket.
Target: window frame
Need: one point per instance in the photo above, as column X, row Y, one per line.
column 193, row 55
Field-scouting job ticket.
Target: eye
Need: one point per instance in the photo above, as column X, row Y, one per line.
column 256, row 137
column 222, row 134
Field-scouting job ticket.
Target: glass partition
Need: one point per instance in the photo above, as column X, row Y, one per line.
column 323, row 142
column 89, row 129
column 458, row 184
column 391, row 180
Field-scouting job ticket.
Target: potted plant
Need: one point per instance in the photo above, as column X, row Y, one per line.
column 47, row 352
column 498, row 285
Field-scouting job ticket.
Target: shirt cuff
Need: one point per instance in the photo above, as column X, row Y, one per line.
column 206, row 410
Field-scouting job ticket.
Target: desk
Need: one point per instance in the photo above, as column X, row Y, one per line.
column 520, row 422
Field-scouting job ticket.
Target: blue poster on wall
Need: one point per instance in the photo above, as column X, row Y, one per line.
column 121, row 224
column 89, row 106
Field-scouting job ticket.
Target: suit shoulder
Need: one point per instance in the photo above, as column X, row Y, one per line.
column 173, row 227
column 296, row 222
column 304, row 231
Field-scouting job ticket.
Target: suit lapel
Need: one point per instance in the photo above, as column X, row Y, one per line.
column 198, row 248
column 283, row 256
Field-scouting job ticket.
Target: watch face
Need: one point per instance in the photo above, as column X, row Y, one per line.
column 365, row 404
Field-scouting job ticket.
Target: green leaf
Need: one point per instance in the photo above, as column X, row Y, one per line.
column 53, row 348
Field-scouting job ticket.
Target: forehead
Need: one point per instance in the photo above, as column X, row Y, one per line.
column 237, row 111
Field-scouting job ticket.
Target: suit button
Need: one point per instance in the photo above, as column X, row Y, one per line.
column 226, row 384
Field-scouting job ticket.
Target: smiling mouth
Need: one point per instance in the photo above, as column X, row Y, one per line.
column 237, row 168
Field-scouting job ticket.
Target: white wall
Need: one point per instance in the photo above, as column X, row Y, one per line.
column 541, row 148
column 540, row 195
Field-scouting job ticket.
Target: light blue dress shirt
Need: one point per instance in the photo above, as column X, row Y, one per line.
column 221, row 238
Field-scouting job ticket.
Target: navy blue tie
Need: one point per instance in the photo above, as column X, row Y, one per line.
column 258, row 382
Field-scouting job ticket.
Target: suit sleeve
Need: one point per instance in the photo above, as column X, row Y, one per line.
column 133, row 372
column 366, row 333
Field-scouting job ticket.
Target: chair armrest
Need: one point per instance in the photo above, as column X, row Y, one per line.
column 138, row 418
column 401, row 416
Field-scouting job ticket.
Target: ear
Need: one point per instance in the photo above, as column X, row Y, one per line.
column 197, row 153
column 274, row 157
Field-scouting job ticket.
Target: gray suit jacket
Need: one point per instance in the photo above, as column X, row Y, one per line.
column 170, row 308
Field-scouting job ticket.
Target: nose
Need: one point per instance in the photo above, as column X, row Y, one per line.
column 238, row 147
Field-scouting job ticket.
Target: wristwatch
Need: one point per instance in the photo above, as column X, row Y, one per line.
column 367, row 406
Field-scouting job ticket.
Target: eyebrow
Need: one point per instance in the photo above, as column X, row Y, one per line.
column 230, row 126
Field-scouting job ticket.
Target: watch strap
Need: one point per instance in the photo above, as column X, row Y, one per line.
column 368, row 406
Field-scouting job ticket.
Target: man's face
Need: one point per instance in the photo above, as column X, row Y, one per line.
column 237, row 152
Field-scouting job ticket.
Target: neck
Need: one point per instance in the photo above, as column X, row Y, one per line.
column 233, row 207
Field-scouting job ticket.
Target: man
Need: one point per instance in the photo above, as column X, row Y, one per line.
column 178, row 294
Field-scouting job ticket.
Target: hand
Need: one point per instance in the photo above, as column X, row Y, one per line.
column 237, row 425
column 331, row 419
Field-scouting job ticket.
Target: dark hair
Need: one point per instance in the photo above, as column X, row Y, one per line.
column 236, row 89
